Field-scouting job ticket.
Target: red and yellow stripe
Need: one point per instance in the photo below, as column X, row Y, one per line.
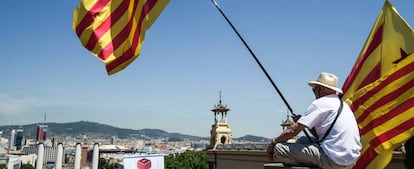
column 390, row 38
column 114, row 30
column 380, row 89
column 385, row 113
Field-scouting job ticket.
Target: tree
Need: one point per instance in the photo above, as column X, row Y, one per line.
column 26, row 166
column 186, row 160
column 104, row 164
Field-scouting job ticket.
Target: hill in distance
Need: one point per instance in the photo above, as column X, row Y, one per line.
column 93, row 129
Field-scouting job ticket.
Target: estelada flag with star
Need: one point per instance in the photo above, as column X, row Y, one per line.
column 380, row 89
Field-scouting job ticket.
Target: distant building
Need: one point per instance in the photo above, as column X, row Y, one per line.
column 11, row 162
column 84, row 156
column 220, row 130
column 41, row 133
column 49, row 156
column 11, row 139
column 113, row 139
column 18, row 141
column 223, row 153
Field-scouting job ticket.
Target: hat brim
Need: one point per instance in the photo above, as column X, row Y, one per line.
column 313, row 83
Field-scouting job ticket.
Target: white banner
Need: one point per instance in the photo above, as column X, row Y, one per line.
column 144, row 161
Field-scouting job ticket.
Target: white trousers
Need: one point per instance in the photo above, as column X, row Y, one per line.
column 304, row 153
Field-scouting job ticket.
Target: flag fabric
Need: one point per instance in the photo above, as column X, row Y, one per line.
column 114, row 30
column 380, row 89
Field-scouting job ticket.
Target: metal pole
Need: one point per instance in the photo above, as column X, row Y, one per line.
column 255, row 58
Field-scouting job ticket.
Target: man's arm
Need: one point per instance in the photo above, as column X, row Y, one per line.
column 290, row 132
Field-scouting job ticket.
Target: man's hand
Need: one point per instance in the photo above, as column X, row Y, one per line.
column 296, row 117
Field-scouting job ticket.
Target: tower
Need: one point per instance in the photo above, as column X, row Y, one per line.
column 220, row 130
column 41, row 133
column 12, row 138
column 285, row 124
column 18, row 139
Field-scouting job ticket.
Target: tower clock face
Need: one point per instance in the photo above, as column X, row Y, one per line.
column 223, row 139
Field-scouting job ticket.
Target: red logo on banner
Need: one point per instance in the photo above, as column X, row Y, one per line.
column 144, row 164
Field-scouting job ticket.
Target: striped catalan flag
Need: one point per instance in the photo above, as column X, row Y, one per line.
column 114, row 30
column 380, row 89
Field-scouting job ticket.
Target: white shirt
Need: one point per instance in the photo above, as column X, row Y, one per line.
column 342, row 144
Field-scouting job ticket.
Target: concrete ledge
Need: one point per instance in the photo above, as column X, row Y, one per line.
column 281, row 166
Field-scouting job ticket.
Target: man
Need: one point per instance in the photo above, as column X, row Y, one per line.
column 336, row 142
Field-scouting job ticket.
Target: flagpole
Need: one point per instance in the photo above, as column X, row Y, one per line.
column 255, row 58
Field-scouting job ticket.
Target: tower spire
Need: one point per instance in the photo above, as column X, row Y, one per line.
column 44, row 119
column 220, row 96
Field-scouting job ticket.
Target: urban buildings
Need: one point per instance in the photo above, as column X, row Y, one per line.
column 111, row 148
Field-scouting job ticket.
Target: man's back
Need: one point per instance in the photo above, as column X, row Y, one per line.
column 342, row 143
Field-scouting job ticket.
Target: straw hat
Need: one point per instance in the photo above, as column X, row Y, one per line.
column 327, row 80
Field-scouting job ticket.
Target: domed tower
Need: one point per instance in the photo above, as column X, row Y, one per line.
column 220, row 130
column 285, row 124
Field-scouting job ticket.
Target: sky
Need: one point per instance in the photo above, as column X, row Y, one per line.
column 190, row 55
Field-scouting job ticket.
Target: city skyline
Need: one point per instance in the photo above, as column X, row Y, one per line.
column 189, row 55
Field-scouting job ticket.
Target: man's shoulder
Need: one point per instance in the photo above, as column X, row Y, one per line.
column 326, row 99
